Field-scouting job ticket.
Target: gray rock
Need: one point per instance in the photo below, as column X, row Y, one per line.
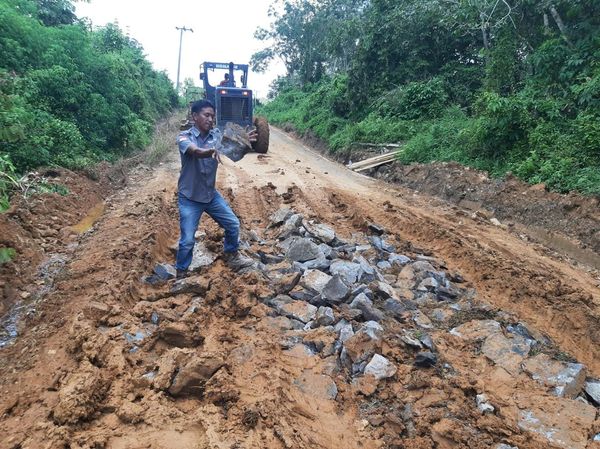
column 394, row 307
column 362, row 288
column 592, row 388
column 301, row 294
column 298, row 310
column 278, row 301
column 348, row 271
column 365, row 342
column 428, row 285
column 165, row 271
column 383, row 290
column 597, row 437
column 288, row 242
column 358, row 367
column 335, row 291
column 380, row 367
column 555, row 421
column 505, row 446
column 279, row 216
column 326, row 250
column 427, row 341
column 375, row 228
column 446, row 294
column 425, row 359
column 365, row 305
column 380, row 244
column 410, row 340
column 320, row 263
column 398, row 259
column 368, row 273
column 201, row 257
column 290, row 227
column 303, row 250
column 284, row 283
column 423, row 267
column 483, row 405
column 384, row 265
column 388, row 247
column 314, row 280
column 320, row 231
column 477, row 330
column 197, row 285
column 325, row 316
column 505, row 352
column 426, row 299
column 268, row 259
column 373, row 329
column 344, row 330
column 566, row 379
column 294, row 220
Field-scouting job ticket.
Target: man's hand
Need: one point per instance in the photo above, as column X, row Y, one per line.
column 253, row 135
column 217, row 156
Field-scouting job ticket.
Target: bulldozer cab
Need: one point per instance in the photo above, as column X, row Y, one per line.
column 231, row 96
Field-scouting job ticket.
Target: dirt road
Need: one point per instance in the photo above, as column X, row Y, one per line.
column 108, row 361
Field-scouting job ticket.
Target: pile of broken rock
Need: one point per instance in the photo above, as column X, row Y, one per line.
column 348, row 299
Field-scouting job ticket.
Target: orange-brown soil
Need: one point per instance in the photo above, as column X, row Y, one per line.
column 105, row 360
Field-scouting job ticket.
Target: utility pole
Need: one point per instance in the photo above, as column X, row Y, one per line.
column 181, row 30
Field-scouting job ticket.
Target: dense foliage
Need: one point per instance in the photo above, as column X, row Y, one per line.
column 70, row 95
column 502, row 85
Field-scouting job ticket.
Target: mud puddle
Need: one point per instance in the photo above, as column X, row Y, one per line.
column 90, row 219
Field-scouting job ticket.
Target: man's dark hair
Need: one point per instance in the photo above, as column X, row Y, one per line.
column 197, row 106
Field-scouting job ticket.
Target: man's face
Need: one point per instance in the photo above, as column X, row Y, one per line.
column 204, row 119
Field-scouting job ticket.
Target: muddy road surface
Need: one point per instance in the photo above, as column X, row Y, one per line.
column 373, row 317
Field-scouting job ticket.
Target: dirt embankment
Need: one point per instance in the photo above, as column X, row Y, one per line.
column 509, row 199
column 40, row 225
column 433, row 329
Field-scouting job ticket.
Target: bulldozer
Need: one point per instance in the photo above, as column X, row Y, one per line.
column 233, row 101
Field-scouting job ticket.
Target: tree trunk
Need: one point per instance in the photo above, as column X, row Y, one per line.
column 559, row 23
column 484, row 33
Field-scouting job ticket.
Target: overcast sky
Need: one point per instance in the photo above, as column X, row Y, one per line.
column 223, row 32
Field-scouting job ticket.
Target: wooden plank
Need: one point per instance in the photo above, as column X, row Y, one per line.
column 374, row 164
column 371, row 160
column 378, row 145
column 383, row 158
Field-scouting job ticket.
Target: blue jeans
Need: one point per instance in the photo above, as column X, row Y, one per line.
column 189, row 217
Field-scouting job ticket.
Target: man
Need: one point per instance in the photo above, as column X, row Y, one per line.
column 225, row 81
column 197, row 193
